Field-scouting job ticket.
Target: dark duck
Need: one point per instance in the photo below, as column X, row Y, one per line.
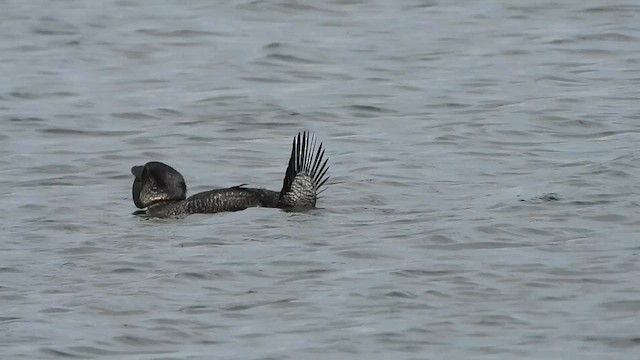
column 162, row 190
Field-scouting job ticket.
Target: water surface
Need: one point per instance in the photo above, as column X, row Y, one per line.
column 482, row 204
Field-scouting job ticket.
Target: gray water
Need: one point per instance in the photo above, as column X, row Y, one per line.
column 483, row 201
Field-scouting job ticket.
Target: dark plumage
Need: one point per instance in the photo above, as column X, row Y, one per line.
column 305, row 174
column 162, row 189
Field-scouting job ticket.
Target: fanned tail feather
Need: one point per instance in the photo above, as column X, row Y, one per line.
column 306, row 173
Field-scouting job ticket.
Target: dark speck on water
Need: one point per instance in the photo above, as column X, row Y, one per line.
column 483, row 198
column 544, row 197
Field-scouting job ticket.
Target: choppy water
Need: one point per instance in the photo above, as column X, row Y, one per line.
column 484, row 198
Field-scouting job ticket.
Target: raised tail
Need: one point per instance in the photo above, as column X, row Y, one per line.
column 306, row 173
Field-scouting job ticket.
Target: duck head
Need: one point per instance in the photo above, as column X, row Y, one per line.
column 157, row 182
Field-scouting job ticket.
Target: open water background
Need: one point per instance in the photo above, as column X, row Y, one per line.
column 484, row 193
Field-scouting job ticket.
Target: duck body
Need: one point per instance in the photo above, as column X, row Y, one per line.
column 161, row 189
